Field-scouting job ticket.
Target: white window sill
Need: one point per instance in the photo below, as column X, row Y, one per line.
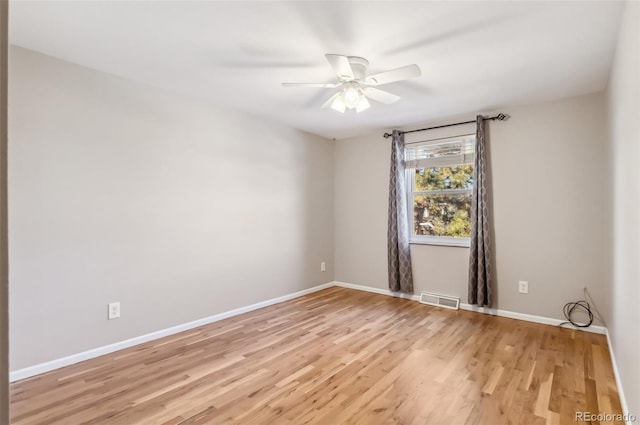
column 442, row 241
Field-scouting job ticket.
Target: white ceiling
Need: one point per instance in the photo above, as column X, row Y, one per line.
column 475, row 56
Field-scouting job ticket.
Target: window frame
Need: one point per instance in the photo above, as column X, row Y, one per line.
column 411, row 193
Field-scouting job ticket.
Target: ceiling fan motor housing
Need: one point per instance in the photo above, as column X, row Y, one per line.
column 358, row 66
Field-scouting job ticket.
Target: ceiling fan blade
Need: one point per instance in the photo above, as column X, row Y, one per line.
column 321, row 85
column 380, row 95
column 341, row 66
column 330, row 100
column 403, row 73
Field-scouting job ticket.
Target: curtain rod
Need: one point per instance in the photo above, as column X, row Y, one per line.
column 499, row 117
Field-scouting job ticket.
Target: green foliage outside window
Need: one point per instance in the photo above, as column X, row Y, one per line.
column 443, row 213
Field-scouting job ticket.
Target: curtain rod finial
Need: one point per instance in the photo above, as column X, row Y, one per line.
column 502, row 117
column 386, row 135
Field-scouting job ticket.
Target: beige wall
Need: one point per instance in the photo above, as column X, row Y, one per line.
column 624, row 134
column 549, row 208
column 122, row 192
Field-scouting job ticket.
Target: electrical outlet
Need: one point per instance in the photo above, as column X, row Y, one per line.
column 523, row 287
column 323, row 267
column 114, row 311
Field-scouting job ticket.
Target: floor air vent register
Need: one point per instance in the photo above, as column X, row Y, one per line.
column 440, row 300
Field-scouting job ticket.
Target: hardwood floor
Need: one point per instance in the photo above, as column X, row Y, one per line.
column 337, row 356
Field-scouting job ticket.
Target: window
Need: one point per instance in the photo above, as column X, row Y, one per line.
column 440, row 177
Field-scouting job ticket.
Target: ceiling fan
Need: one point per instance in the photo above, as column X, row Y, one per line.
column 355, row 86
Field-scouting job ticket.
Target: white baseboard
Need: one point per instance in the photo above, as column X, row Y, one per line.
column 100, row 351
column 469, row 307
column 616, row 374
column 531, row 318
column 377, row 290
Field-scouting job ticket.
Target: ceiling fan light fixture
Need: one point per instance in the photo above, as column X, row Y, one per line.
column 352, row 95
column 338, row 104
column 363, row 104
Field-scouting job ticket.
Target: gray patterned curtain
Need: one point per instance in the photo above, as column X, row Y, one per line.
column 480, row 283
column 399, row 257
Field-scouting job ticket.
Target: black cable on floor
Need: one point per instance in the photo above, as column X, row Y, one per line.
column 570, row 308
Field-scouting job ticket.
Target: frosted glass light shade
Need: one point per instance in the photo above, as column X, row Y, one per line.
column 338, row 104
column 363, row 104
column 351, row 96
